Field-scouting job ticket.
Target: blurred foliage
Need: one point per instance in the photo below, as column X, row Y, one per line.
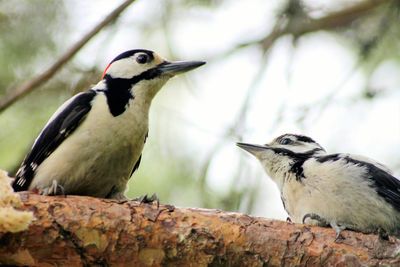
column 28, row 31
column 377, row 35
column 33, row 31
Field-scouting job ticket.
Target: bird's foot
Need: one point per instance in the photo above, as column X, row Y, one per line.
column 313, row 216
column 383, row 235
column 148, row 200
column 338, row 227
column 53, row 190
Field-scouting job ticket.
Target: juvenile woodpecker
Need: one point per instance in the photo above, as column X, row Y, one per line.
column 341, row 190
column 93, row 143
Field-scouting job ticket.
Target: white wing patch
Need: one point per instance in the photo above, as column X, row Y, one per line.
column 368, row 160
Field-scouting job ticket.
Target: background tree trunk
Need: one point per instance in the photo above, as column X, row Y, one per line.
column 82, row 231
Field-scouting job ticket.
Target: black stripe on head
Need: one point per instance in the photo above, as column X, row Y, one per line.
column 298, row 159
column 305, row 139
column 119, row 89
column 298, row 137
column 331, row 157
column 130, row 53
column 117, row 84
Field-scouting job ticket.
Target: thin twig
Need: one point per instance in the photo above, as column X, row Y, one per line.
column 35, row 82
column 331, row 21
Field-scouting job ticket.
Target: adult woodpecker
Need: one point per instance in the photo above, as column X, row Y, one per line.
column 341, row 190
column 93, row 143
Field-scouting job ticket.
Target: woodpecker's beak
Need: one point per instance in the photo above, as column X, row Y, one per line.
column 252, row 149
column 177, row 67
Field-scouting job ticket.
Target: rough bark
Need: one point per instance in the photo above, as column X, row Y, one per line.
column 85, row 231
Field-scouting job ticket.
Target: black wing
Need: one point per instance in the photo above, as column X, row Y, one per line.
column 137, row 164
column 65, row 121
column 385, row 184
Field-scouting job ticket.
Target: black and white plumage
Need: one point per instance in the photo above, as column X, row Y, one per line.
column 93, row 143
column 341, row 190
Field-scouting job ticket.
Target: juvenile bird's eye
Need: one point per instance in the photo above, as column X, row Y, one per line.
column 142, row 58
column 286, row 141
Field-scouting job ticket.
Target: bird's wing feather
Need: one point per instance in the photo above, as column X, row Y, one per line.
column 137, row 164
column 386, row 185
column 64, row 121
column 368, row 160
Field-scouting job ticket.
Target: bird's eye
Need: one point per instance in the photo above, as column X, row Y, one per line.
column 142, row 58
column 286, row 141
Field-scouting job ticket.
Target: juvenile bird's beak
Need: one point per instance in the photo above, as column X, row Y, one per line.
column 252, row 149
column 177, row 67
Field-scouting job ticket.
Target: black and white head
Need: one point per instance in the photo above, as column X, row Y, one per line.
column 284, row 154
column 142, row 72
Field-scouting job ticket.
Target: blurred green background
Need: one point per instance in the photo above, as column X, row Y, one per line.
column 327, row 69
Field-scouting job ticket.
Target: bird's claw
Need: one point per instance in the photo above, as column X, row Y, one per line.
column 323, row 222
column 383, row 235
column 53, row 190
column 338, row 229
column 148, row 200
column 314, row 216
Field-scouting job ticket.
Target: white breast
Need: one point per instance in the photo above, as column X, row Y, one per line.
column 99, row 153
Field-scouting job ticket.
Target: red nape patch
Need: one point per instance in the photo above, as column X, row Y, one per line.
column 104, row 73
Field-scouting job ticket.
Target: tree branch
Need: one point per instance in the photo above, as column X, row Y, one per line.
column 341, row 18
column 306, row 25
column 77, row 231
column 331, row 21
column 35, row 82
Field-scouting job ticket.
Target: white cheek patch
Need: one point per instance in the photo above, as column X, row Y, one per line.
column 126, row 68
column 303, row 148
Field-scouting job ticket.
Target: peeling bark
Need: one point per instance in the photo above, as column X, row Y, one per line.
column 85, row 231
